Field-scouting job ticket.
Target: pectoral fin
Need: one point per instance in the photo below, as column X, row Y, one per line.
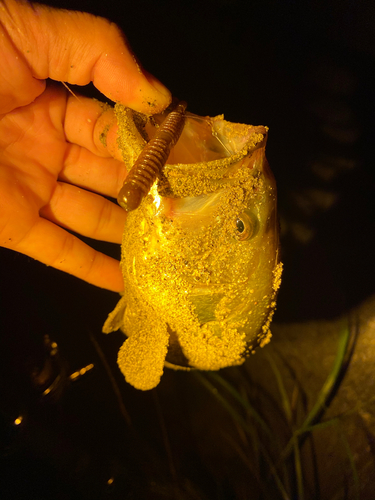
column 141, row 357
column 115, row 319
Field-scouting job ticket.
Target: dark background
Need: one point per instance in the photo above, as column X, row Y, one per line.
column 306, row 70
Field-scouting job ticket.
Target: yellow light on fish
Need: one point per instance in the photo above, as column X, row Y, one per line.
column 200, row 255
column 155, row 195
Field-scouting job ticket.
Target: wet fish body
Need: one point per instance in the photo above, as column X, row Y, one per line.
column 200, row 256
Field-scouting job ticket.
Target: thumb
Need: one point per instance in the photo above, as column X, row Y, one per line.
column 73, row 47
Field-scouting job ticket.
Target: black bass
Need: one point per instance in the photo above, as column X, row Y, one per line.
column 200, row 256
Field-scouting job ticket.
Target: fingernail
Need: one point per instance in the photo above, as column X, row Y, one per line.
column 151, row 96
column 159, row 98
column 157, row 85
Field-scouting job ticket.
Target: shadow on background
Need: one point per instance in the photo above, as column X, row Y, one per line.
column 306, row 70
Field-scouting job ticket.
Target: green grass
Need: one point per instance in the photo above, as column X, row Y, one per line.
column 275, row 447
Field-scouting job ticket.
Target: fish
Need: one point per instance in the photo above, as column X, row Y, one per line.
column 200, row 255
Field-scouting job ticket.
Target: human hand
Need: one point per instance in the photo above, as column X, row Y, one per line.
column 53, row 165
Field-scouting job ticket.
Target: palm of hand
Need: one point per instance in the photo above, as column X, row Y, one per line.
column 48, row 149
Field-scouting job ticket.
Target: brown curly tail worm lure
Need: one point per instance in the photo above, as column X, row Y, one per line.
column 152, row 159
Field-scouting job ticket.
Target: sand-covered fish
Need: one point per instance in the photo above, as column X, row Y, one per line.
column 200, row 256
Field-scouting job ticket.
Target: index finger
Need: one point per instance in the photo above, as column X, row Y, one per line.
column 77, row 48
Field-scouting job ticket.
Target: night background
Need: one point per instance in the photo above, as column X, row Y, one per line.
column 306, row 70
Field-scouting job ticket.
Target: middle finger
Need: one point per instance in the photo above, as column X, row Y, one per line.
column 85, row 169
column 85, row 213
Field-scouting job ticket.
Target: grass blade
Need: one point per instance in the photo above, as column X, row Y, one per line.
column 238, row 418
column 280, row 384
column 237, row 396
column 298, row 469
column 326, row 391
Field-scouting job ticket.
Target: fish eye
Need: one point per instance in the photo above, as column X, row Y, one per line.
column 246, row 226
column 240, row 226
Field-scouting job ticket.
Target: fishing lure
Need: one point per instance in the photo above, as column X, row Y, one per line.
column 151, row 160
column 200, row 255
